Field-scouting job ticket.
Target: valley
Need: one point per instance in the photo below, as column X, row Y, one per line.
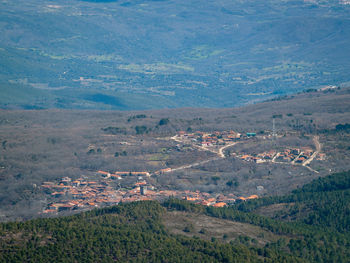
column 122, row 55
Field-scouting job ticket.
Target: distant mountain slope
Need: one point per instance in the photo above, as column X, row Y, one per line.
column 161, row 54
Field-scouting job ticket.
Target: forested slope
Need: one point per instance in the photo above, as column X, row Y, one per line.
column 134, row 232
column 315, row 218
column 126, row 233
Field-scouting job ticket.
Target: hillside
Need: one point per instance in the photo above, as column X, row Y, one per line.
column 133, row 55
column 178, row 231
column 39, row 148
column 126, row 233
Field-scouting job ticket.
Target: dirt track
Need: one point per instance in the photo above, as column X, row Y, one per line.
column 318, row 149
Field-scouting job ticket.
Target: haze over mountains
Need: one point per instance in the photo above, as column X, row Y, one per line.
column 160, row 54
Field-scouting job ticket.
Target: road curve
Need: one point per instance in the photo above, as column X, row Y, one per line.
column 318, row 149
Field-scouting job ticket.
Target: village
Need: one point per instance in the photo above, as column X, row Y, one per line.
column 105, row 189
column 82, row 194
column 217, row 141
column 214, row 142
column 210, row 139
column 288, row 155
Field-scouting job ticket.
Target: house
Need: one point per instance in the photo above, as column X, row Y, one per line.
column 57, row 194
column 188, row 198
column 220, row 204
column 65, row 207
column 205, row 202
column 287, row 158
column 259, row 160
column 300, row 160
column 246, row 157
column 240, row 199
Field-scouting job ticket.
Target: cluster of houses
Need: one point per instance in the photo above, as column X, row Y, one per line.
column 80, row 194
column 208, row 199
column 259, row 158
column 293, row 155
column 209, row 139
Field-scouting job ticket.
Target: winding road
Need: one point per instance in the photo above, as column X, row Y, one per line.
column 220, row 153
column 221, row 150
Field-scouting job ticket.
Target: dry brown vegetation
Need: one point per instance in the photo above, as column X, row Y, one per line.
column 206, row 227
column 45, row 145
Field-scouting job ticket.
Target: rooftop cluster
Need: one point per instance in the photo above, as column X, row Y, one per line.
column 288, row 155
column 83, row 194
column 210, row 139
